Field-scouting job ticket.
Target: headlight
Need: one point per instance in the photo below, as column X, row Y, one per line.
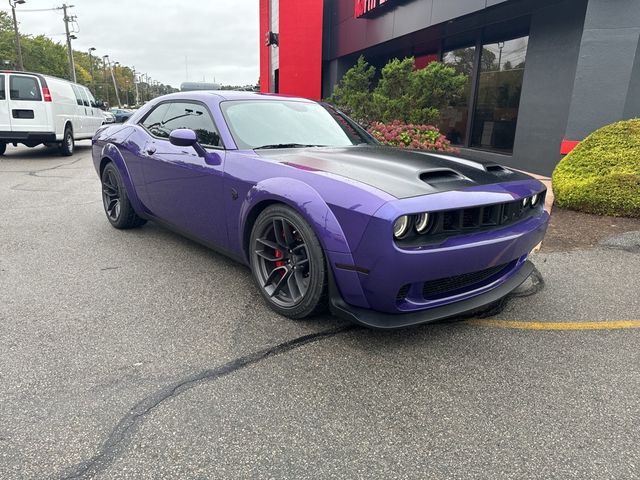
column 422, row 222
column 525, row 202
column 401, row 226
column 534, row 200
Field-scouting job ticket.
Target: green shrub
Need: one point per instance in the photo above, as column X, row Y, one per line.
column 402, row 94
column 602, row 174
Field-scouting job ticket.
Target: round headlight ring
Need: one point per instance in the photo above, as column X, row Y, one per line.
column 422, row 222
column 401, row 226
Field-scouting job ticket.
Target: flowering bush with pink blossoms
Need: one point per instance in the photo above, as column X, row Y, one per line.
column 408, row 135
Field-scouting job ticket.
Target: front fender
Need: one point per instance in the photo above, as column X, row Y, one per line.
column 308, row 202
column 112, row 152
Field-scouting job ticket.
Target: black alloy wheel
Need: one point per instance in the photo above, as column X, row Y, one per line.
column 111, row 195
column 116, row 204
column 288, row 262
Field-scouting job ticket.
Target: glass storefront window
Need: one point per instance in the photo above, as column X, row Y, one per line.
column 453, row 119
column 498, row 94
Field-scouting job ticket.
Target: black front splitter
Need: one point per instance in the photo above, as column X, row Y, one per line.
column 381, row 320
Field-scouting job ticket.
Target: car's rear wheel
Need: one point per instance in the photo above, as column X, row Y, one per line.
column 68, row 145
column 288, row 263
column 116, row 203
column 3, row 148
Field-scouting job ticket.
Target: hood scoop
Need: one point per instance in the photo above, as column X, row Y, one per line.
column 442, row 176
column 497, row 169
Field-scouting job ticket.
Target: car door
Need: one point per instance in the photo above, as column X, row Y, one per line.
column 89, row 120
column 26, row 105
column 182, row 188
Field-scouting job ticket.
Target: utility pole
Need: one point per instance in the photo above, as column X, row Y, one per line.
column 136, row 85
column 115, row 85
column 93, row 83
column 15, row 28
column 67, row 20
column 104, row 75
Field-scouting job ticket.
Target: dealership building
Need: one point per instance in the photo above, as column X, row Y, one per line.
column 541, row 74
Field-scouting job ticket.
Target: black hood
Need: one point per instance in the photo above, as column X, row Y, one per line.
column 401, row 173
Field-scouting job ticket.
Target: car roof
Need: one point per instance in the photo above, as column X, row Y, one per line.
column 235, row 95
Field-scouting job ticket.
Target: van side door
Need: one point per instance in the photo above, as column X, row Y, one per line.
column 79, row 121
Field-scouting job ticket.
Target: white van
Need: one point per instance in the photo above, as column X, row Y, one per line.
column 37, row 109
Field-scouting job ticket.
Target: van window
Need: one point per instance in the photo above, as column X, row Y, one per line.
column 24, row 88
column 92, row 100
column 85, row 98
column 3, row 96
column 76, row 92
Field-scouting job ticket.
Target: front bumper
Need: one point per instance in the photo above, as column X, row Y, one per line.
column 381, row 320
column 387, row 286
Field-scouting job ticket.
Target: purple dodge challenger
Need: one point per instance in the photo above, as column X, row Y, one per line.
column 323, row 214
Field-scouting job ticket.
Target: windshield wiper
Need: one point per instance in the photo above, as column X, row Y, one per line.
column 287, row 145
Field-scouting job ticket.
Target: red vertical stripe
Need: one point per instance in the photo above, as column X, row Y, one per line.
column 301, row 48
column 264, row 50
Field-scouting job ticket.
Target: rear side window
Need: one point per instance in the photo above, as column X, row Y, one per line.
column 3, row 95
column 24, row 88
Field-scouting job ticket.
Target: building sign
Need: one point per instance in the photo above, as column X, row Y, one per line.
column 364, row 7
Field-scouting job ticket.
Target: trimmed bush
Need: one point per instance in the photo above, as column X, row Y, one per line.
column 602, row 174
column 408, row 135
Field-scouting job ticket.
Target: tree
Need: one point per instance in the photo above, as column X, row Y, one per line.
column 392, row 96
column 353, row 94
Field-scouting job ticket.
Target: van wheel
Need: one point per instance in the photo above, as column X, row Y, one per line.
column 3, row 148
column 68, row 144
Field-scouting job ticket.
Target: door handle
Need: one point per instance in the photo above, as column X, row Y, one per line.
column 151, row 150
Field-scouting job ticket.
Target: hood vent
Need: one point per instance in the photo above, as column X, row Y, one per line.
column 441, row 176
column 497, row 169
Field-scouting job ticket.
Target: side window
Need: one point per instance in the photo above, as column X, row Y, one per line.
column 24, row 88
column 85, row 97
column 76, row 92
column 3, row 95
column 153, row 121
column 92, row 101
column 195, row 117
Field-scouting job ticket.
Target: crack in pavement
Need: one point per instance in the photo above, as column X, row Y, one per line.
column 123, row 433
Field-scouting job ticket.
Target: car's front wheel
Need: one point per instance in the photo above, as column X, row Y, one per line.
column 116, row 203
column 288, row 263
column 68, row 144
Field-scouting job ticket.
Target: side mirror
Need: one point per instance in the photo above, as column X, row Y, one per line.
column 184, row 137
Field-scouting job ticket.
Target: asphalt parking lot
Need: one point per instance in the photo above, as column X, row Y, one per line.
column 139, row 354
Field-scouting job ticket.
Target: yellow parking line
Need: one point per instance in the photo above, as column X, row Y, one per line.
column 605, row 325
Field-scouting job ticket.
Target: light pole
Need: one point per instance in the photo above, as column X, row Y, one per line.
column 13, row 4
column 92, row 49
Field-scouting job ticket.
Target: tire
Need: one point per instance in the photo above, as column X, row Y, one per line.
column 288, row 263
column 116, row 203
column 68, row 145
column 3, row 148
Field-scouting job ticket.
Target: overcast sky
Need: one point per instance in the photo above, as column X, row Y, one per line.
column 218, row 37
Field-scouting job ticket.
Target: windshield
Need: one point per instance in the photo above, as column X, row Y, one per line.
column 288, row 124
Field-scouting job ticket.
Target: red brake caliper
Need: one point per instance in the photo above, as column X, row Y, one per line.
column 279, row 263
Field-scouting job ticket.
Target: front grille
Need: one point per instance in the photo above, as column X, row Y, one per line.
column 447, row 223
column 436, row 288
